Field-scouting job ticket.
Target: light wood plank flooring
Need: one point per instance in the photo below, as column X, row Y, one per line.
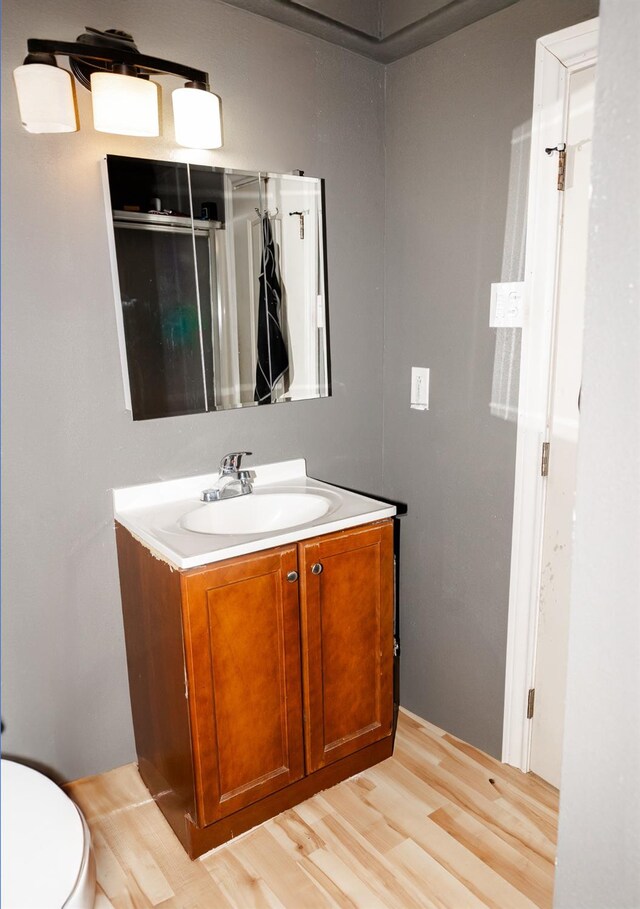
column 439, row 825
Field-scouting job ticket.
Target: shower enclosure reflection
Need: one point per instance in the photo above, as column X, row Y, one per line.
column 219, row 279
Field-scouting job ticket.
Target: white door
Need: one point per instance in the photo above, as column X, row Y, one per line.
column 553, row 609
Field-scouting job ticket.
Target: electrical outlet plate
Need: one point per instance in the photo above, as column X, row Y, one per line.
column 507, row 305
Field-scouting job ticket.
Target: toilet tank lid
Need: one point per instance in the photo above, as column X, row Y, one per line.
column 42, row 839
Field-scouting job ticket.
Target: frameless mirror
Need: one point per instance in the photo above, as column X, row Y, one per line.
column 219, row 282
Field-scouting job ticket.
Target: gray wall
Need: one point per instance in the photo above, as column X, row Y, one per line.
column 457, row 116
column 456, row 130
column 290, row 101
column 599, row 841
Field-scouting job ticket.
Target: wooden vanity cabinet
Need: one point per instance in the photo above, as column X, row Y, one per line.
column 347, row 641
column 258, row 681
column 242, row 649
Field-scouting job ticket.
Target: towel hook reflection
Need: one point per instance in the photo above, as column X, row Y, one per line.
column 301, row 215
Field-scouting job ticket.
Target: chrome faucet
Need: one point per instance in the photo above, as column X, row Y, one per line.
column 231, row 480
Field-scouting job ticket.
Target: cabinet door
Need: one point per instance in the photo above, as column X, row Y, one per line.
column 242, row 644
column 347, row 641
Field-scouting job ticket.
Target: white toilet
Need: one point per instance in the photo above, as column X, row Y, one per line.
column 47, row 862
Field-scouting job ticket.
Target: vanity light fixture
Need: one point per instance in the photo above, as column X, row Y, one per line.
column 125, row 101
column 124, row 104
column 196, row 116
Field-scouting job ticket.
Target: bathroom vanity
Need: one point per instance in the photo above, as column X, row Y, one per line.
column 260, row 667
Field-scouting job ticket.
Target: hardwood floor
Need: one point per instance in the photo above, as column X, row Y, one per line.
column 439, row 825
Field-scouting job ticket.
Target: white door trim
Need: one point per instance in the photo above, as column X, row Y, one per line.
column 557, row 56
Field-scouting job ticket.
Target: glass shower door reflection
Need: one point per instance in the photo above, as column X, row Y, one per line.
column 166, row 309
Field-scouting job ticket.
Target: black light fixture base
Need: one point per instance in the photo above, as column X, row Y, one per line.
column 111, row 39
column 44, row 59
column 98, row 51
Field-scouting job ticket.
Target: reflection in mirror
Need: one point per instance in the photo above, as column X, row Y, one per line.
column 219, row 278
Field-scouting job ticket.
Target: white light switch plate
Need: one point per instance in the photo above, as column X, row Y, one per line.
column 420, row 388
column 507, row 305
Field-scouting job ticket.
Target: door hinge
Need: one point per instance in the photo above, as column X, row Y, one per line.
column 562, row 166
column 562, row 162
column 544, row 461
column 531, row 697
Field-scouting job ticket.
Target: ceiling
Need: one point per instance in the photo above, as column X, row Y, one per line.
column 384, row 30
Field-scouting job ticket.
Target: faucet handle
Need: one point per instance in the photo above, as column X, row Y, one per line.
column 231, row 462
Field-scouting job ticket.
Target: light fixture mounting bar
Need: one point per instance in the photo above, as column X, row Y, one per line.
column 94, row 52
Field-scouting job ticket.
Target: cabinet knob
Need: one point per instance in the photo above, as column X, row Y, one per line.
column 316, row 568
column 292, row 576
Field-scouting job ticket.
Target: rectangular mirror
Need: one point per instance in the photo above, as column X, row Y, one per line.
column 220, row 286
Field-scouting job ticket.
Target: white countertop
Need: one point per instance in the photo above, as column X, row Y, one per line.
column 152, row 513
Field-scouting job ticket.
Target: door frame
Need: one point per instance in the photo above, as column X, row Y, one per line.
column 557, row 56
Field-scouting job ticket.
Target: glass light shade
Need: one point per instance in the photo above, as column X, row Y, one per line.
column 45, row 98
column 125, row 105
column 196, row 118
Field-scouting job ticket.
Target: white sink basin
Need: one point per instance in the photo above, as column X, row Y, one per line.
column 285, row 506
column 256, row 513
